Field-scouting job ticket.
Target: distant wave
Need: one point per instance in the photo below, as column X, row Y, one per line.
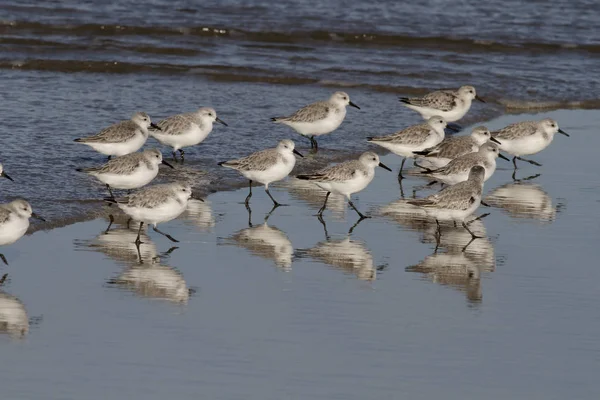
column 298, row 37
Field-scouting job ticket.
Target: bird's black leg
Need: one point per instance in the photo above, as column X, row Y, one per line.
column 247, row 201
column 111, row 219
column 400, row 176
column 275, row 203
column 530, row 161
column 128, row 221
column 515, row 162
column 361, row 215
column 137, row 240
column 320, row 213
column 174, row 156
column 171, row 238
column 110, row 192
column 3, row 258
column 182, row 153
column 474, row 236
column 109, row 158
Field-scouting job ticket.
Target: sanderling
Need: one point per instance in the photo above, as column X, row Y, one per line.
column 266, row 166
column 14, row 222
column 121, row 138
column 458, row 170
column 346, row 178
column 456, row 202
column 184, row 130
column 156, row 204
column 131, row 171
column 527, row 137
column 454, row 147
column 3, row 174
column 448, row 103
column 318, row 118
column 414, row 138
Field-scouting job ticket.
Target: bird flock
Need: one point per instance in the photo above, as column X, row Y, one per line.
column 460, row 163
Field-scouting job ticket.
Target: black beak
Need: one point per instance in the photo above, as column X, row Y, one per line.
column 221, row 121
column 296, row 152
column 3, row 174
column 353, row 105
column 382, row 165
column 167, row 164
column 503, row 157
column 152, row 124
column 559, row 131
column 479, row 98
column 34, row 215
column 197, row 198
column 493, row 139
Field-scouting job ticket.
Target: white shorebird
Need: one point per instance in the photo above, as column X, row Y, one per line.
column 184, row 130
column 156, row 204
column 454, row 147
column 266, row 166
column 318, row 118
column 346, row 178
column 456, row 202
column 412, row 139
column 14, row 222
column 458, row 170
column 450, row 104
column 3, row 174
column 121, row 138
column 131, row 171
column 527, row 137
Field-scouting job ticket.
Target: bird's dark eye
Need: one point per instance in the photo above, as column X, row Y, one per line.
column 210, row 114
column 345, row 98
column 374, row 159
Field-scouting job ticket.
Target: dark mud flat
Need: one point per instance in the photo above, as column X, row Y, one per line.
column 280, row 310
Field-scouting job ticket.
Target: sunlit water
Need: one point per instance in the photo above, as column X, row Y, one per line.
column 286, row 309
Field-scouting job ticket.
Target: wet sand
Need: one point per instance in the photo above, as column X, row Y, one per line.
column 285, row 309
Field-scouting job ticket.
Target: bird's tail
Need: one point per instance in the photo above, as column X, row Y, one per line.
column 277, row 120
column 78, row 140
column 422, row 152
column 404, row 100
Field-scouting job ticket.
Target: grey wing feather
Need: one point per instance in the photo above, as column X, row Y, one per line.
column 443, row 100
column 456, row 197
column 259, row 161
column 116, row 133
column 4, row 214
column 415, row 135
column 336, row 173
column 452, row 147
column 459, row 164
column 121, row 165
column 175, row 124
column 150, row 197
column 516, row 130
column 310, row 113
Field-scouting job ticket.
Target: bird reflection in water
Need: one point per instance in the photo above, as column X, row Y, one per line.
column 264, row 241
column 144, row 273
column 458, row 260
column 13, row 316
column 314, row 196
column 524, row 200
column 199, row 214
column 348, row 255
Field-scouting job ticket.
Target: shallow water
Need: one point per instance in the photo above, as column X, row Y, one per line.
column 277, row 310
column 71, row 69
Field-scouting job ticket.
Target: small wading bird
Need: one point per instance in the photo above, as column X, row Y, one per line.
column 346, row 178
column 318, row 118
